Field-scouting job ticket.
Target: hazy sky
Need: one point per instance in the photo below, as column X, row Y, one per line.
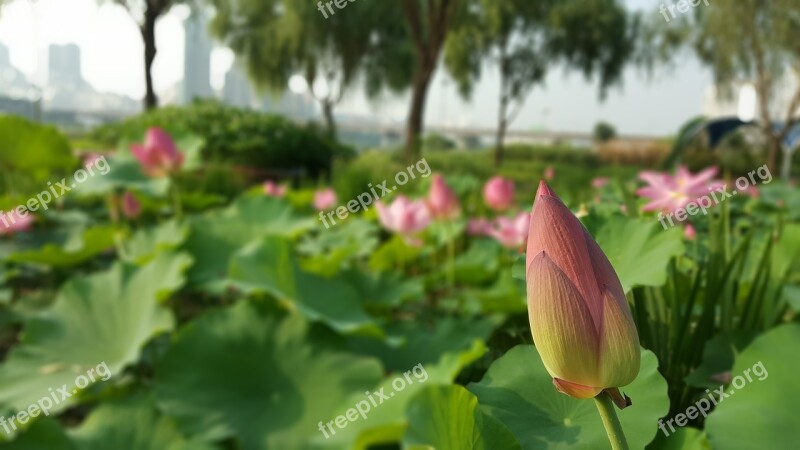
column 112, row 61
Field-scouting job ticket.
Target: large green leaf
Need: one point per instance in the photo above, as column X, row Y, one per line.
column 147, row 243
column 412, row 342
column 685, row 438
column 33, row 148
column 763, row 412
column 251, row 373
column 718, row 357
column 76, row 247
column 131, row 424
column 448, row 418
column 125, row 173
column 43, row 434
column 518, row 391
column 270, row 267
column 639, row 249
column 101, row 318
column 386, row 424
column 333, row 250
column 217, row 235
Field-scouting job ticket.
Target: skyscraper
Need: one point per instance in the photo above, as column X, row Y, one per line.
column 197, row 58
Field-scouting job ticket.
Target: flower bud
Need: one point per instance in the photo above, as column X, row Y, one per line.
column 579, row 316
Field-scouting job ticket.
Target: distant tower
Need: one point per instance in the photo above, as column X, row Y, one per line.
column 65, row 65
column 197, row 58
column 237, row 91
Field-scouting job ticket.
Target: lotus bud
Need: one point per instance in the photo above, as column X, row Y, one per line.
column 498, row 193
column 159, row 156
column 580, row 320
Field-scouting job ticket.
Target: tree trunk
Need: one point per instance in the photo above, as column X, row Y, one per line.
column 149, row 36
column 330, row 121
column 416, row 114
column 502, row 122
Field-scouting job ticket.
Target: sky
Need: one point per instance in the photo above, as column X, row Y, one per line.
column 112, row 61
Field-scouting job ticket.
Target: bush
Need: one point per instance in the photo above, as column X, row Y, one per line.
column 264, row 143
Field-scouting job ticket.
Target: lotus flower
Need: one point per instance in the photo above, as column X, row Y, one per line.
column 581, row 323
column 689, row 232
column 272, row 189
column 442, row 202
column 131, row 208
column 600, row 182
column 671, row 193
column 511, row 233
column 12, row 222
column 404, row 216
column 324, row 199
column 478, row 227
column 498, row 193
column 158, row 156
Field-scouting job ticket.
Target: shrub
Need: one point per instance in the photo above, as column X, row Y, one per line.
column 266, row 144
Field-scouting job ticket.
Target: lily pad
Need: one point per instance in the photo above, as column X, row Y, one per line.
column 259, row 376
column 101, row 318
column 77, row 247
column 685, row 438
column 761, row 413
column 518, row 391
column 217, row 235
column 147, row 243
column 448, row 418
column 131, row 424
column 639, row 249
column 269, row 266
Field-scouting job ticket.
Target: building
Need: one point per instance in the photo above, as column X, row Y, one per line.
column 196, row 59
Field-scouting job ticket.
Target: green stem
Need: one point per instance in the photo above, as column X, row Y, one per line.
column 605, row 406
column 176, row 199
column 451, row 256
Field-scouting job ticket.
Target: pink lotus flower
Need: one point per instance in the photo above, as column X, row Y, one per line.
column 498, row 193
column 324, row 199
column 751, row 191
column 442, row 202
column 478, row 227
column 689, row 232
column 579, row 316
column 511, row 233
column 671, row 193
column 158, row 156
column 404, row 216
column 549, row 173
column 12, row 222
column 131, row 208
column 272, row 189
column 600, row 182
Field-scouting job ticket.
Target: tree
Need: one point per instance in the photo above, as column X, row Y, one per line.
column 523, row 39
column 146, row 13
column 428, row 24
column 746, row 41
column 604, row 132
column 277, row 39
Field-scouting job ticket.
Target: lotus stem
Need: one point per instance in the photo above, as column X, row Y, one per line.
column 605, row 406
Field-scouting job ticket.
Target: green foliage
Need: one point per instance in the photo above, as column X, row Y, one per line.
column 604, row 131
column 262, row 143
column 773, row 392
column 518, row 391
column 31, row 150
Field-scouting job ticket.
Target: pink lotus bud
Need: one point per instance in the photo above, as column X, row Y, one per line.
column 131, row 208
column 272, row 189
column 499, row 193
column 549, row 173
column 689, row 232
column 324, row 199
column 600, row 182
column 404, row 216
column 158, row 156
column 478, row 227
column 511, row 233
column 581, row 323
column 12, row 222
column 442, row 202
